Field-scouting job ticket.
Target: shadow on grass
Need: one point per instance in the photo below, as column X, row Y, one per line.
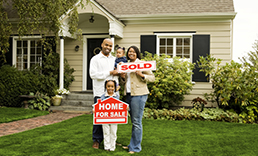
column 74, row 137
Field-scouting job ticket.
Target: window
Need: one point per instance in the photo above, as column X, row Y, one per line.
column 175, row 45
column 27, row 53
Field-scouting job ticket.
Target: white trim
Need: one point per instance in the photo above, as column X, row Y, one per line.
column 228, row 15
column 175, row 35
column 107, row 13
column 85, row 58
column 14, row 51
column 61, row 74
column 84, row 64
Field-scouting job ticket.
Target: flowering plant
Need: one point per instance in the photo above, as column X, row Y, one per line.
column 62, row 91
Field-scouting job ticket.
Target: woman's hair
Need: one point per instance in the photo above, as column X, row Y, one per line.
column 107, row 82
column 138, row 54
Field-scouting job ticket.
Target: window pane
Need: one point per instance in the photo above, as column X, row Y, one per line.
column 162, row 50
column 32, row 43
column 170, row 51
column 38, row 50
column 19, row 51
column 25, row 50
column 187, row 50
column 25, row 58
column 187, row 56
column 38, row 59
column 186, row 41
column 178, row 51
column 32, row 50
column 18, row 43
column 179, row 41
column 32, row 58
column 170, row 41
column 25, row 44
column 32, row 64
column 25, row 65
column 162, row 41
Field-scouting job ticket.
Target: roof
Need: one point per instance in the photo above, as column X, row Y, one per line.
column 140, row 7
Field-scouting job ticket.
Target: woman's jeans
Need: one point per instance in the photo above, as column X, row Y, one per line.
column 136, row 105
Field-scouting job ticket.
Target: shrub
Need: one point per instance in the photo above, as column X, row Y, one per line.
column 235, row 85
column 50, row 69
column 15, row 83
column 210, row 114
column 172, row 81
column 40, row 102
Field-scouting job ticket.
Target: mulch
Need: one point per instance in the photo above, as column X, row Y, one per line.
column 27, row 124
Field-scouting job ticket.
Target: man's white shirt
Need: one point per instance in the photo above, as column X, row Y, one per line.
column 100, row 67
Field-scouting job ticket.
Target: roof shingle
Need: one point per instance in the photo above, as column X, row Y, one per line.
column 140, row 7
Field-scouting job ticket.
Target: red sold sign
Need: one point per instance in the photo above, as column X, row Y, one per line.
column 110, row 111
column 134, row 66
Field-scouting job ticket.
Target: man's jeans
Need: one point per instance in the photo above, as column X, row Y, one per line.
column 97, row 133
column 136, row 105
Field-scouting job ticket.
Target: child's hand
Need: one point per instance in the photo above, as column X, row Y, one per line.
column 120, row 63
column 118, row 87
column 93, row 111
column 127, row 108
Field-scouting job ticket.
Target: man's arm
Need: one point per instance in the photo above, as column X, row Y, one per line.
column 96, row 73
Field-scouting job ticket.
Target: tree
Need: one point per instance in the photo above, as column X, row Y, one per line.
column 43, row 17
column 251, row 60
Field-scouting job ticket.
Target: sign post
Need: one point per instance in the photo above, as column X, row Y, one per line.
column 110, row 111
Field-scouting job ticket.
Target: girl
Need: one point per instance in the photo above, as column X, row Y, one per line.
column 109, row 130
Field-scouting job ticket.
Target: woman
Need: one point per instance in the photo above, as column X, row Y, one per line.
column 136, row 91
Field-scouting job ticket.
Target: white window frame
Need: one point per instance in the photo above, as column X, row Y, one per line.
column 29, row 38
column 175, row 35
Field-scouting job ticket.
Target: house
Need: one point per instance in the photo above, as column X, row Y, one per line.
column 184, row 28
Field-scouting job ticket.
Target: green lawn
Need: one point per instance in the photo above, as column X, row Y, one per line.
column 8, row 114
column 195, row 138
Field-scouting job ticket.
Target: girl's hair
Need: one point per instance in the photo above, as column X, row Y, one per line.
column 138, row 54
column 107, row 82
column 123, row 48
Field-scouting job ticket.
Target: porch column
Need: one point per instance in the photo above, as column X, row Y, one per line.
column 61, row 72
column 113, row 40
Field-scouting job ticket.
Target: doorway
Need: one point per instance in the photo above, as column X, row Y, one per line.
column 93, row 48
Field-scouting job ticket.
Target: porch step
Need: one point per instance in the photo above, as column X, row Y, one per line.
column 79, row 102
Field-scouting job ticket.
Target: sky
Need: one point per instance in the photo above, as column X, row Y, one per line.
column 245, row 27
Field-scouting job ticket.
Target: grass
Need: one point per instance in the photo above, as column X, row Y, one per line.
column 8, row 114
column 160, row 137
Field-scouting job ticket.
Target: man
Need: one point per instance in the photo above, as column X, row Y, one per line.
column 101, row 69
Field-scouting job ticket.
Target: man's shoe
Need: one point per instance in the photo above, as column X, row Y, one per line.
column 95, row 145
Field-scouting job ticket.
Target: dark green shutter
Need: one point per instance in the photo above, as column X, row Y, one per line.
column 148, row 43
column 201, row 47
column 9, row 54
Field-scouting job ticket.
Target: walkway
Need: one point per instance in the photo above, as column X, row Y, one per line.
column 27, row 124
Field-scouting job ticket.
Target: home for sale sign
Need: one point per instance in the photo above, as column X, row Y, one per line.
column 110, row 111
column 134, row 66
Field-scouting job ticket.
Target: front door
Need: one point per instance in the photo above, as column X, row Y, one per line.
column 94, row 47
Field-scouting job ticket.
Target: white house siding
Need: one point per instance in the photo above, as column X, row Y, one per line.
column 75, row 61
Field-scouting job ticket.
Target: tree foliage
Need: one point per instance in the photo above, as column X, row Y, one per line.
column 42, row 17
